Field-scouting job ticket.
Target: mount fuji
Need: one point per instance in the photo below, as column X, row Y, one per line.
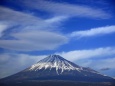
column 56, row 68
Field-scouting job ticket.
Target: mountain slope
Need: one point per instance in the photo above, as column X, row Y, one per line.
column 55, row 67
column 57, row 62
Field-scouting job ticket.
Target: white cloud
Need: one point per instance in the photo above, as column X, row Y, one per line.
column 24, row 20
column 34, row 40
column 104, row 63
column 66, row 9
column 56, row 19
column 31, row 33
column 98, row 64
column 94, row 31
column 3, row 27
column 9, row 15
column 13, row 63
column 86, row 54
column 27, row 21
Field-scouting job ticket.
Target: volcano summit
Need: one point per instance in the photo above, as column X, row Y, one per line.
column 56, row 68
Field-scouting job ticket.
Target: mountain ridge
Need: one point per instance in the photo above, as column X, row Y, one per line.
column 55, row 61
column 55, row 67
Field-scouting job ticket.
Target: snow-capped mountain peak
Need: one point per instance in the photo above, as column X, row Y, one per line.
column 55, row 67
column 57, row 62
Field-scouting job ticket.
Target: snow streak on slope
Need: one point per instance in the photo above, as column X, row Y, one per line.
column 57, row 62
column 60, row 65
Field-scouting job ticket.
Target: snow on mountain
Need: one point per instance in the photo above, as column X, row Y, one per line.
column 57, row 62
column 55, row 67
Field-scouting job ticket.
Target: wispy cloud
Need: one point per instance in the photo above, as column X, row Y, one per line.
column 34, row 40
column 97, row 59
column 104, row 69
column 10, row 15
column 31, row 33
column 56, row 19
column 86, row 54
column 104, row 63
column 25, row 23
column 94, row 31
column 23, row 20
column 65, row 9
column 3, row 27
column 97, row 64
column 13, row 63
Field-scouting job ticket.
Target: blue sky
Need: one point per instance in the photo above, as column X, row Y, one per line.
column 82, row 31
